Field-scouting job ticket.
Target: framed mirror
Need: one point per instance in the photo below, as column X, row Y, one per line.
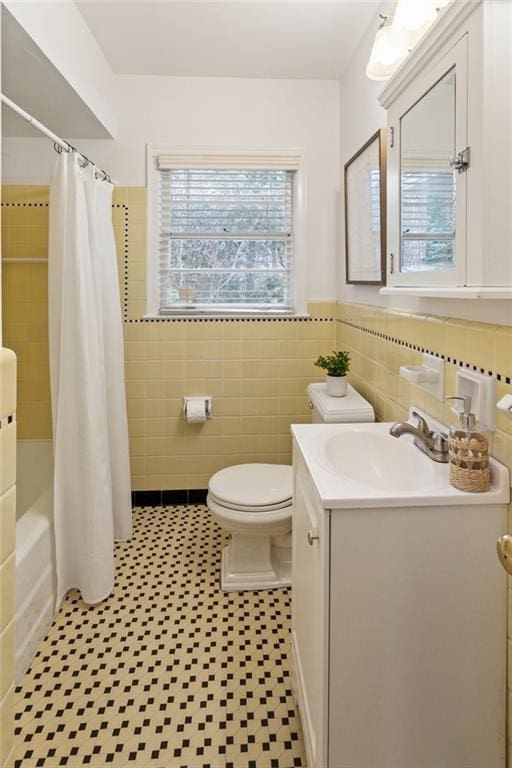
column 365, row 213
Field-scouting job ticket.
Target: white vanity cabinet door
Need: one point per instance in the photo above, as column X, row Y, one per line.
column 418, row 638
column 309, row 622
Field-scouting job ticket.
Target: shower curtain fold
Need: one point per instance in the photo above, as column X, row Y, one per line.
column 91, row 488
column 104, row 261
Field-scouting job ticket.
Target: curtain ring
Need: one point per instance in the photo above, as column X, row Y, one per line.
column 85, row 163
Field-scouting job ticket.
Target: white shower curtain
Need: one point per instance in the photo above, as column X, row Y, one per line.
column 92, row 505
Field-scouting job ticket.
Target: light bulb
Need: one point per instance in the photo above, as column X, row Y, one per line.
column 387, row 53
column 412, row 15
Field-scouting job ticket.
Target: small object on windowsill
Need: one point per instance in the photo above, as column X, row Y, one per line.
column 187, row 294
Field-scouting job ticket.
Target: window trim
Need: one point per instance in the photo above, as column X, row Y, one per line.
column 299, row 232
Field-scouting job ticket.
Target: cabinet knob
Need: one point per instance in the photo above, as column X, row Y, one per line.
column 504, row 551
column 312, row 537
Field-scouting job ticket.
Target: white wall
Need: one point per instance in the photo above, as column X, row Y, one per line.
column 360, row 116
column 219, row 112
column 60, row 32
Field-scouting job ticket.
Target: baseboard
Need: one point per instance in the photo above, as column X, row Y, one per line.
column 168, row 497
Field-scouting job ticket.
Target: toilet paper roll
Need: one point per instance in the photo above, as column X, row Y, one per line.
column 196, row 411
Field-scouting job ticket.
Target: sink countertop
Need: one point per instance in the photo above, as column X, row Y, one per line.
column 339, row 491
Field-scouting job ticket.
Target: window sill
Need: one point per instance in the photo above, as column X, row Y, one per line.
column 231, row 316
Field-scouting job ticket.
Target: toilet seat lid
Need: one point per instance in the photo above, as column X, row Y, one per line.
column 253, row 485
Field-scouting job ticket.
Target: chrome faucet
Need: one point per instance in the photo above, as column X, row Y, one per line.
column 435, row 446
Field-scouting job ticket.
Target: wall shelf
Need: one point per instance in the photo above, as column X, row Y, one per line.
column 438, row 292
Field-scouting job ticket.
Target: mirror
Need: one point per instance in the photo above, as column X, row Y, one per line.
column 427, row 181
column 365, row 212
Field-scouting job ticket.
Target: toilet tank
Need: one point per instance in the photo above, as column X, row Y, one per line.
column 331, row 410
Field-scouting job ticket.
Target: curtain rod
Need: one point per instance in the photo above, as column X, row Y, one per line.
column 65, row 146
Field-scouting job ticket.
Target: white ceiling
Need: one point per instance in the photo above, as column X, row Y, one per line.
column 272, row 39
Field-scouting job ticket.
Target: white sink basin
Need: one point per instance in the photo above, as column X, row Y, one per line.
column 380, row 461
column 362, row 465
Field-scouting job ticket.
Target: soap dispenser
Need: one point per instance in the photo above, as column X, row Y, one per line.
column 469, row 452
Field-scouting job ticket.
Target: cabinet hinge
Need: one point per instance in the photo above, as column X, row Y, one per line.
column 461, row 161
column 391, row 263
column 391, row 136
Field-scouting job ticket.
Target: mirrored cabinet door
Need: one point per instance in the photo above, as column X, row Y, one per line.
column 427, row 238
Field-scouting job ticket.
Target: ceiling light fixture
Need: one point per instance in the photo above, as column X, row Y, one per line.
column 387, row 53
column 397, row 35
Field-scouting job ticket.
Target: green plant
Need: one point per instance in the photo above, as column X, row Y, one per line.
column 337, row 364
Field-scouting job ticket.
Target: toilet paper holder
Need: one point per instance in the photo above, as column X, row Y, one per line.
column 207, row 404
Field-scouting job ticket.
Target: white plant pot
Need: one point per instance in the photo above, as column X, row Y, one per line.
column 336, row 385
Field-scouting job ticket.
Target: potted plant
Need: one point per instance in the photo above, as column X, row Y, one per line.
column 336, row 366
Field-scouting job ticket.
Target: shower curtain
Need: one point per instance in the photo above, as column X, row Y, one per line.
column 92, row 495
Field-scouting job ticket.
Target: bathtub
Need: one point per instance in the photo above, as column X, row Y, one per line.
column 35, row 550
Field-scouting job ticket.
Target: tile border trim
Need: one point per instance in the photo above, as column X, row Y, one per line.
column 124, row 208
column 162, row 498
column 416, row 348
column 7, row 420
column 232, row 320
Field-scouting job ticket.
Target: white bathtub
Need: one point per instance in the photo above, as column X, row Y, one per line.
column 35, row 550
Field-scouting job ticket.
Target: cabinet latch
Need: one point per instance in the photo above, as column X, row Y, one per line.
column 460, row 162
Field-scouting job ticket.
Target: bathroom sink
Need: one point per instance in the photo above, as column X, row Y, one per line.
column 362, row 465
column 379, row 461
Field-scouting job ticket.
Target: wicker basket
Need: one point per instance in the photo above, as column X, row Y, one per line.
column 469, row 462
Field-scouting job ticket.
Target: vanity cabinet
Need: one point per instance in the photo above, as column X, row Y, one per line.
column 398, row 633
column 310, row 637
column 449, row 188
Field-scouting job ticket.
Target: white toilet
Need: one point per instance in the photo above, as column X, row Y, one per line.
column 253, row 502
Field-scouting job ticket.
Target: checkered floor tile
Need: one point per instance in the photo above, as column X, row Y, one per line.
column 170, row 671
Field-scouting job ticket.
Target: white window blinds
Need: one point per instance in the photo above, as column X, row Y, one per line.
column 225, row 234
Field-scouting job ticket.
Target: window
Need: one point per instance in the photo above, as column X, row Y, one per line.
column 225, row 241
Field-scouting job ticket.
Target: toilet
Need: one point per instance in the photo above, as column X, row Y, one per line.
column 253, row 502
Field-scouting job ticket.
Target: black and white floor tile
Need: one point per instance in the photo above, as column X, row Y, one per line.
column 170, row 671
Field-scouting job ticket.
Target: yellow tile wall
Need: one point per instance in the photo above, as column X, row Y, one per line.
column 25, row 302
column 375, row 339
column 256, row 371
column 380, row 341
column 7, row 557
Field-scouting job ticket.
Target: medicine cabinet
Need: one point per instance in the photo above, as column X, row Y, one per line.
column 449, row 188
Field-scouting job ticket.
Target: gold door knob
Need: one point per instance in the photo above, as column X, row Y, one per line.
column 504, row 547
